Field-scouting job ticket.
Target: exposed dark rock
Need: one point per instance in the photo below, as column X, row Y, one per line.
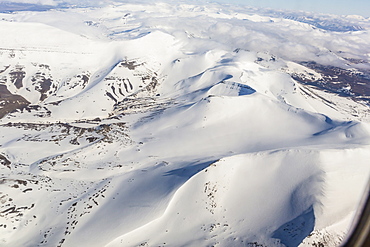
column 10, row 102
column 346, row 83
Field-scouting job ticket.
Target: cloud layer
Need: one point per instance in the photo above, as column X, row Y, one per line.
column 297, row 36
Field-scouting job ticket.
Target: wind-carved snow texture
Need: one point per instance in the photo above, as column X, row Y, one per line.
column 181, row 125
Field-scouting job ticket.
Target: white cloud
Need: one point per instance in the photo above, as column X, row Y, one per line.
column 38, row 2
column 57, row 2
column 246, row 28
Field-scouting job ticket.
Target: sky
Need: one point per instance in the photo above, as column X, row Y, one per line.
column 340, row 7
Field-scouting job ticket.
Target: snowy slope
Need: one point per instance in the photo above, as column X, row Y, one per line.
column 180, row 125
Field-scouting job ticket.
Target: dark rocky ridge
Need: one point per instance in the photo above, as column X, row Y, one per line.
column 10, row 102
column 346, row 83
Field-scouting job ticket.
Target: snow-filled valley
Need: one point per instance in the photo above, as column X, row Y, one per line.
column 162, row 124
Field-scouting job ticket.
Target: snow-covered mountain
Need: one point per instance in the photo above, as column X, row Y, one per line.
column 181, row 125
